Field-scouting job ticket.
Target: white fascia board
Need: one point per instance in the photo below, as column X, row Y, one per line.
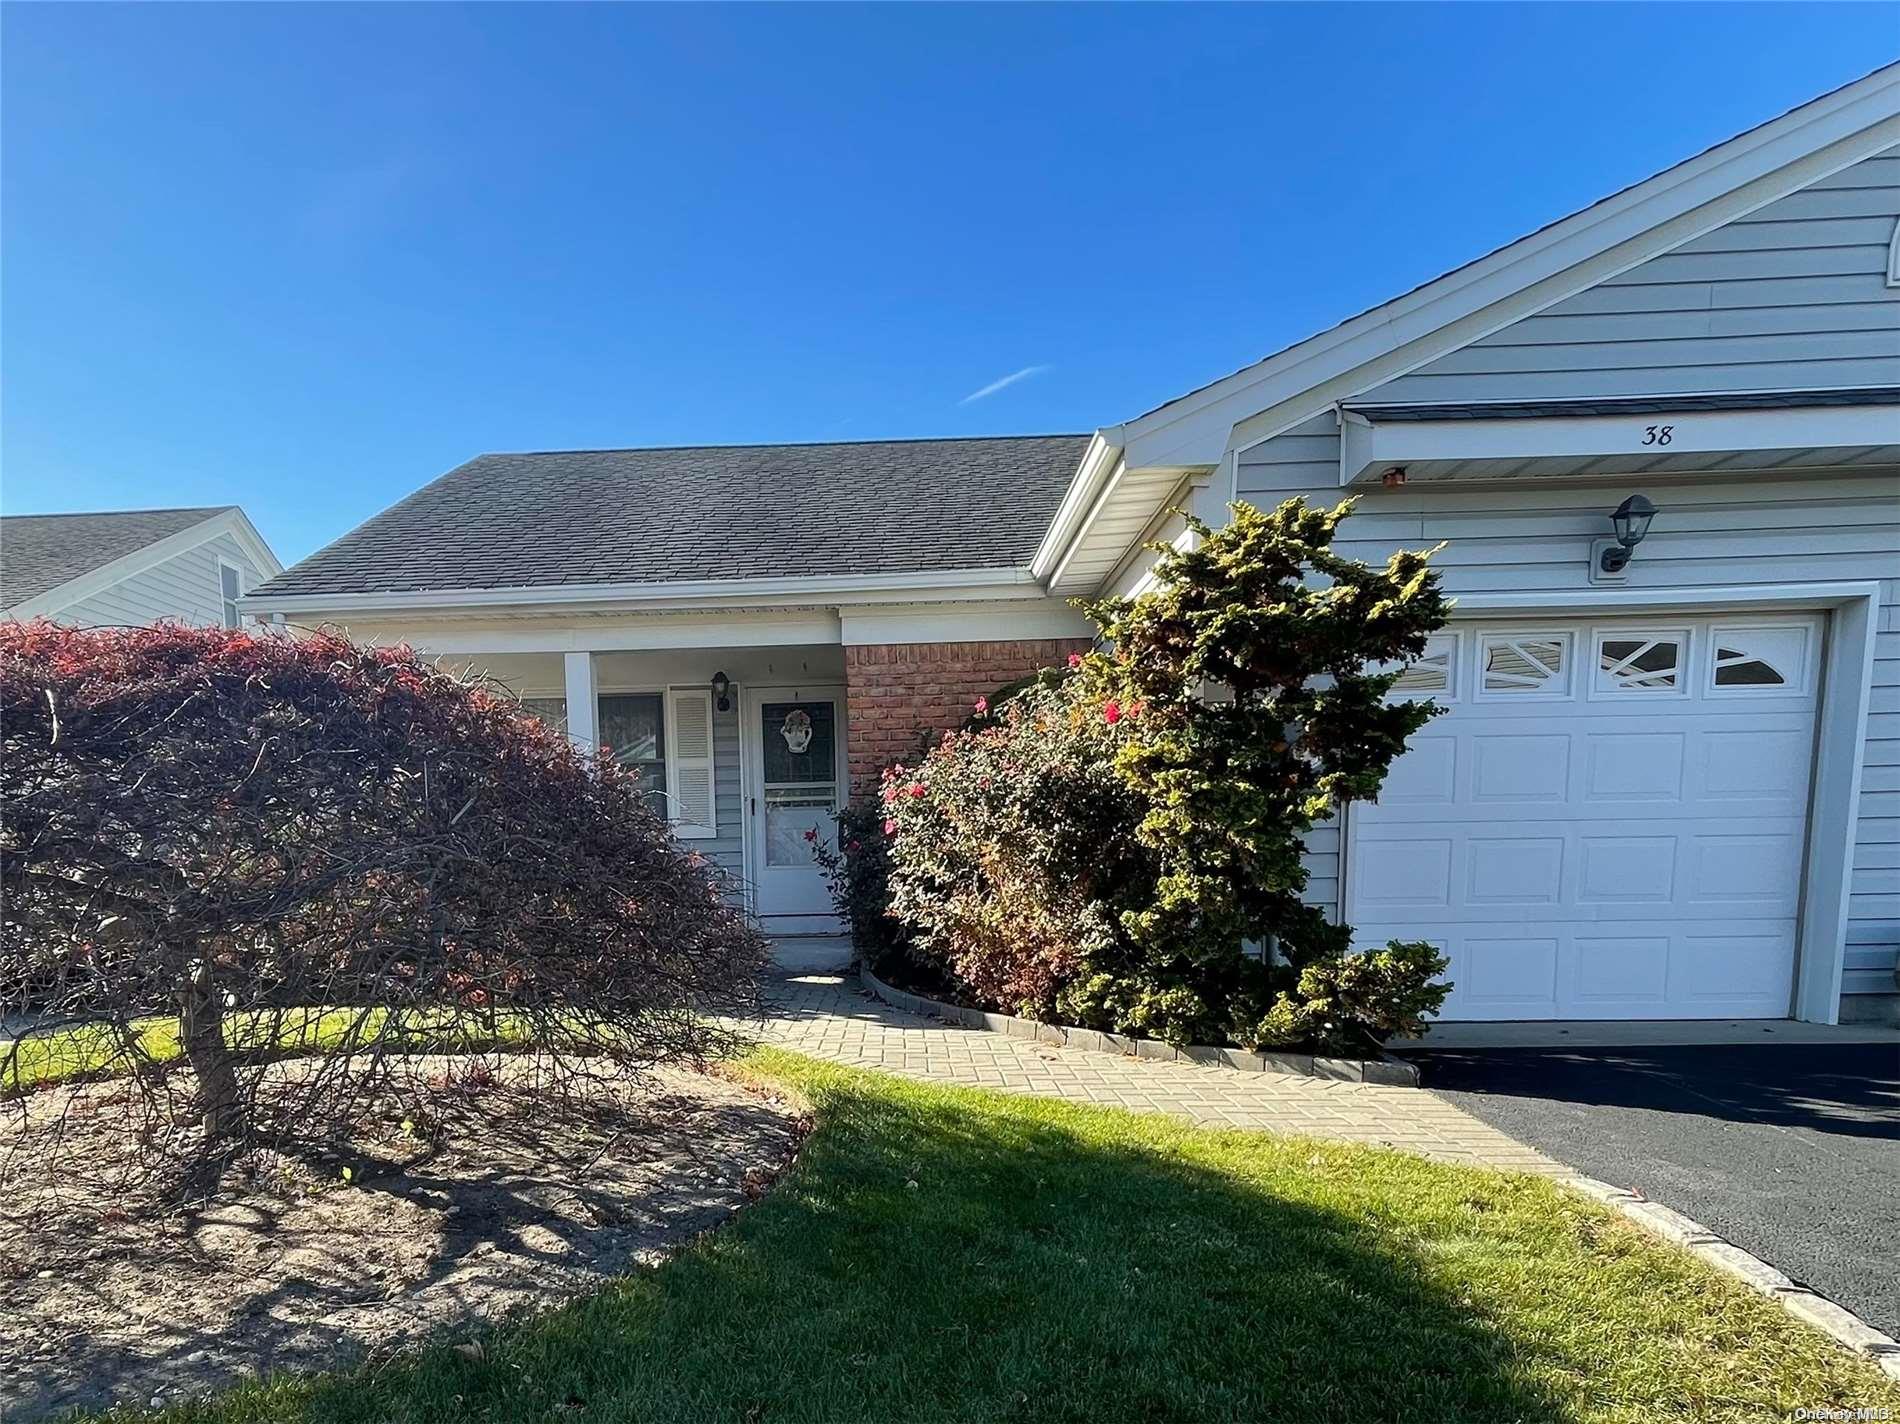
column 1368, row 448
column 1465, row 305
column 149, row 556
column 1101, row 462
column 948, row 585
column 969, row 623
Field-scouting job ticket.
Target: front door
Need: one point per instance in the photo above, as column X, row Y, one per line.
column 797, row 771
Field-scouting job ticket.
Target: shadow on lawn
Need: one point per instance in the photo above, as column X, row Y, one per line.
column 935, row 1258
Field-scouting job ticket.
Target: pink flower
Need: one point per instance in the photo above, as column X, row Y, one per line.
column 853, row 847
column 890, row 792
column 983, row 782
column 916, row 790
column 1075, row 660
column 982, row 705
column 811, row 834
column 890, row 828
column 1111, row 711
column 1135, row 709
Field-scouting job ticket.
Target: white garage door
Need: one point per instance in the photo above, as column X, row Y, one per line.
column 1609, row 823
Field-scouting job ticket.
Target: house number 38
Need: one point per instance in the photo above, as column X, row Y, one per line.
column 1658, row 434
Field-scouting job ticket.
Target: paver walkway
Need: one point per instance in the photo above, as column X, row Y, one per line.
column 828, row 1017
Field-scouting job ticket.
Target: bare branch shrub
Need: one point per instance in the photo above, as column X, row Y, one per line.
column 220, row 849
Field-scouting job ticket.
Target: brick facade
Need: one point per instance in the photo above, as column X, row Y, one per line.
column 900, row 693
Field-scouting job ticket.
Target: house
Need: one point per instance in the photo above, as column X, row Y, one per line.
column 131, row 566
column 1668, row 783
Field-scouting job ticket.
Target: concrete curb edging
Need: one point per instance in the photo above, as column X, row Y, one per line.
column 1391, row 1072
column 1842, row 1324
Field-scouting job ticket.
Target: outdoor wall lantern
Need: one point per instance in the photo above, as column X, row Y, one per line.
column 721, row 685
column 1631, row 523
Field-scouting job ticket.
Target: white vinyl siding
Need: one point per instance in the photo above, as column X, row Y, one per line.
column 188, row 586
column 1795, row 294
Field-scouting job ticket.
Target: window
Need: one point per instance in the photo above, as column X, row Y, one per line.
column 672, row 753
column 1640, row 662
column 799, row 776
column 1535, row 664
column 1433, row 671
column 633, row 729
column 1735, row 668
column 1764, row 659
column 551, row 710
column 231, row 586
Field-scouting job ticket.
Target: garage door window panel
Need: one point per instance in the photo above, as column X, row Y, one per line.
column 1516, row 666
column 1760, row 659
column 1640, row 663
column 1434, row 674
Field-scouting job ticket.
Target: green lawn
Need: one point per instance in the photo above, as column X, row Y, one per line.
column 91, row 1050
column 949, row 1254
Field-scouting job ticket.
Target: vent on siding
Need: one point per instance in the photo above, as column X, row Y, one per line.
column 689, row 769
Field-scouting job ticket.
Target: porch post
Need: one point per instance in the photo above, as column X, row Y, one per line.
column 583, row 711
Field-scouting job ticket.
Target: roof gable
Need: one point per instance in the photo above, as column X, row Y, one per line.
column 735, row 512
column 1696, row 196
column 1121, row 483
column 1792, row 296
column 40, row 552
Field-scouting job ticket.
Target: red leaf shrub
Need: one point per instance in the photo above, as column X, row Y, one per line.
column 234, row 829
column 1011, row 869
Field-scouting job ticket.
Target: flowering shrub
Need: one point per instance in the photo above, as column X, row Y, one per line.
column 1012, row 863
column 1106, row 845
column 231, row 830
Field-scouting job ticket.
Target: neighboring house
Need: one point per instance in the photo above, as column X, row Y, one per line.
column 1666, row 790
column 131, row 567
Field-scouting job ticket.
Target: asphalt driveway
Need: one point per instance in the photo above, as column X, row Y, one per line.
column 1791, row 1151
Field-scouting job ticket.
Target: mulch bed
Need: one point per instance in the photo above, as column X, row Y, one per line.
column 509, row 1200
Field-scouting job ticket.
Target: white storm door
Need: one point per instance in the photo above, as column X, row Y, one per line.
column 1608, row 823
column 796, row 757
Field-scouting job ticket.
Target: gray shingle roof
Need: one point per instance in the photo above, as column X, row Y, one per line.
column 42, row 551
column 705, row 512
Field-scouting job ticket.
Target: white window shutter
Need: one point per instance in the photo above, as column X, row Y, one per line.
column 689, row 763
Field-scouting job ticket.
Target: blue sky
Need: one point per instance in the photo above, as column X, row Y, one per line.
column 307, row 257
